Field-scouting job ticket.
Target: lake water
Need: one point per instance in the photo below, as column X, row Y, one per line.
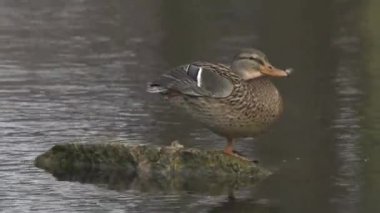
column 77, row 70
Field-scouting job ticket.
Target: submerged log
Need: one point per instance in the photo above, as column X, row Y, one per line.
column 148, row 167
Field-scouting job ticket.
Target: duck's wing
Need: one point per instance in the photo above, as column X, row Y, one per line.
column 195, row 79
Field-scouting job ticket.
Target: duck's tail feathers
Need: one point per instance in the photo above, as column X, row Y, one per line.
column 155, row 88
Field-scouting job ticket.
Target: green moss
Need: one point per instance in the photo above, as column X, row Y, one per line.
column 171, row 167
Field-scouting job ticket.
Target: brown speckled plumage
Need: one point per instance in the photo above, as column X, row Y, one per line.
column 232, row 101
column 251, row 107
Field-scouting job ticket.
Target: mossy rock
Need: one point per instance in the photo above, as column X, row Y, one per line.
column 149, row 167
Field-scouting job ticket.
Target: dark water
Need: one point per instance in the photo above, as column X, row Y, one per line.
column 76, row 71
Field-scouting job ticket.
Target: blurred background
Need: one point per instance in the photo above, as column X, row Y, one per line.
column 76, row 70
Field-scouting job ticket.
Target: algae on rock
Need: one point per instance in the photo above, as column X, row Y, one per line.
column 148, row 167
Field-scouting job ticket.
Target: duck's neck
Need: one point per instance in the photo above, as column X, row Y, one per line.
column 266, row 92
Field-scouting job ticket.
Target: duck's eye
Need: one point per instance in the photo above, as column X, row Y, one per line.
column 257, row 60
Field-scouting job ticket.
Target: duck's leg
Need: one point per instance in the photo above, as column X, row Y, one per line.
column 229, row 150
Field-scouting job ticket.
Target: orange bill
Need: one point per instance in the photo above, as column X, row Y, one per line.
column 268, row 69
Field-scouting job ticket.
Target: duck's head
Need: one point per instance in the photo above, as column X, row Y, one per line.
column 252, row 63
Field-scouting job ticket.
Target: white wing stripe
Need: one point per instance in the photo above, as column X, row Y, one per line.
column 199, row 77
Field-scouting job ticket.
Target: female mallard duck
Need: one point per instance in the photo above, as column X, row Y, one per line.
column 236, row 101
